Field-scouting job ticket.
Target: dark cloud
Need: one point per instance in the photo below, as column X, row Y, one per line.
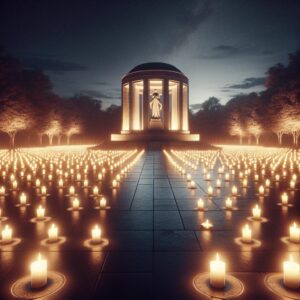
column 248, row 83
column 102, row 83
column 97, row 94
column 51, row 65
column 268, row 52
column 224, row 51
column 196, row 106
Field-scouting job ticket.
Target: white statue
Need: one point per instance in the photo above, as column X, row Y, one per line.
column 155, row 106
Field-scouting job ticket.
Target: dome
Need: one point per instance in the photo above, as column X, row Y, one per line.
column 154, row 66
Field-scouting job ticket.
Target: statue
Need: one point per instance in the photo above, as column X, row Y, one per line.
column 155, row 106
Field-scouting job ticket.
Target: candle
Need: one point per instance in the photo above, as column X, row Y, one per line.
column 256, row 177
column 53, row 233
column 96, row 234
column 245, row 183
column 234, row 190
column 246, row 234
column 228, row 203
column 208, row 176
column 192, row 184
column 23, row 199
column 72, row 190
column 277, row 177
column 292, row 184
column 200, row 204
column 218, row 184
column 15, row 184
column 95, row 190
column 118, row 177
column 188, row 177
column 37, row 183
column 294, row 233
column 256, row 212
column 114, row 183
column 40, row 213
column 217, row 273
column 6, row 234
column 78, row 177
column 102, row 202
column 207, row 224
column 291, row 274
column 2, row 191
column 28, row 177
column 284, row 199
column 60, row 183
column 261, row 190
column 76, row 203
column 44, row 190
column 267, row 183
column 227, row 177
column 99, row 176
column 85, row 183
column 210, row 191
column 38, row 270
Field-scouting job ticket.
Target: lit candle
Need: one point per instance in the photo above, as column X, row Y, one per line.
column 2, row 191
column 23, row 199
column 256, row 212
column 284, row 199
column 38, row 273
column 188, row 177
column 268, row 183
column 118, row 177
column 218, row 183
column 217, row 273
column 245, row 183
column 292, row 184
column 37, row 183
column 96, row 234
column 76, row 203
column 291, row 274
column 277, row 177
column 6, row 234
column 40, row 213
column 15, row 184
column 207, row 224
column 261, row 190
column 85, row 183
column 227, row 177
column 114, row 183
column 246, row 234
column 53, row 233
column 200, row 204
column 256, row 177
column 28, row 177
column 228, row 203
column 95, row 191
column 192, row 184
column 44, row 190
column 60, row 183
column 234, row 190
column 210, row 190
column 102, row 202
column 99, row 176
column 72, row 190
column 78, row 177
column 294, row 233
column 208, row 176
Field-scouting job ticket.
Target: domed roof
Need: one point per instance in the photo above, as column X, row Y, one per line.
column 154, row 66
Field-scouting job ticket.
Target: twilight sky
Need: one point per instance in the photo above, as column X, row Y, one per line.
column 86, row 46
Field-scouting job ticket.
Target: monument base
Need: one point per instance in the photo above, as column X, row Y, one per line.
column 150, row 136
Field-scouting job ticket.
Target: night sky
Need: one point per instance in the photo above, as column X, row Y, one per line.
column 224, row 47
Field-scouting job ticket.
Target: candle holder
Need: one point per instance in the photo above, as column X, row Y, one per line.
column 48, row 243
column 8, row 245
column 96, row 246
column 249, row 245
column 233, row 287
column 22, row 289
column 261, row 219
column 293, row 245
column 274, row 282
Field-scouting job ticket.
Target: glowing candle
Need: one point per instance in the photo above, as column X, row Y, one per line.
column 291, row 274
column 256, row 212
column 292, row 184
column 78, row 177
column 210, row 191
column 207, row 224
column 28, row 177
column 95, row 191
column 6, row 234
column 114, row 183
column 228, row 203
column 267, row 183
column 208, row 176
column 284, row 199
column 23, row 199
column 200, row 204
column 96, row 234
column 37, row 183
column 2, row 191
column 40, row 213
column 294, row 233
column 246, row 234
column 188, row 177
column 102, row 202
column 53, row 233
column 60, row 183
column 261, row 190
column 256, row 177
column 227, row 177
column 15, row 184
column 218, row 183
column 192, row 184
column 72, row 190
column 85, row 183
column 277, row 177
column 234, row 190
column 44, row 190
column 217, row 273
column 76, row 203
column 245, row 183
column 38, row 270
column 99, row 176
column 118, row 177
column 50, row 177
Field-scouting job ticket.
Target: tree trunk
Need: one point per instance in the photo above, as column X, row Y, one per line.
column 58, row 139
column 68, row 139
column 12, row 136
column 40, row 136
column 50, row 136
column 249, row 140
column 241, row 139
column 257, row 139
column 279, row 136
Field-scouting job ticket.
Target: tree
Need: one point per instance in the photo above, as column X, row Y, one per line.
column 211, row 104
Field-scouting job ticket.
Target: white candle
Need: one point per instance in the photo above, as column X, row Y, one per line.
column 267, row 183
column 44, row 190
column 210, row 190
column 245, row 183
column 2, row 191
column 218, row 183
column 102, row 202
column 60, row 183
column 200, row 204
column 15, row 184
column 227, row 177
column 188, row 177
column 277, row 177
column 256, row 212
column 234, row 190
column 76, row 203
column 96, row 234
column 53, row 233
column 23, row 199
column 246, row 234
column 207, row 224
column 78, row 177
column 40, row 213
column 99, row 176
column 291, row 274
column 38, row 270
column 72, row 190
column 28, row 177
column 114, row 183
column 217, row 273
column 294, row 233
column 208, row 176
column 292, row 184
column 118, row 177
column 228, row 203
column 261, row 190
column 284, row 199
column 37, row 183
column 6, row 234
column 256, row 177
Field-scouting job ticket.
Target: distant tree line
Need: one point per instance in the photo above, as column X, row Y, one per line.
column 249, row 117
column 31, row 110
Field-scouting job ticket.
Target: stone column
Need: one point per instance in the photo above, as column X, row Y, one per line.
column 180, row 112
column 145, row 104
column 131, row 114
column 166, row 103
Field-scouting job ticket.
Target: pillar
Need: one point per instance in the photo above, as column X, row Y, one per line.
column 145, row 104
column 131, row 116
column 180, row 112
column 166, row 107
